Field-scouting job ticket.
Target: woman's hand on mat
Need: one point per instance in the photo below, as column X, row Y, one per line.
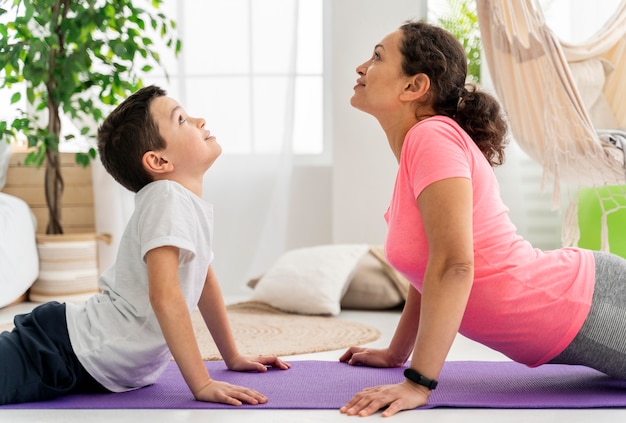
column 225, row 393
column 243, row 363
column 371, row 357
column 398, row 397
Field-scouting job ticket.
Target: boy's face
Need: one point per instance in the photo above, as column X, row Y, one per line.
column 190, row 148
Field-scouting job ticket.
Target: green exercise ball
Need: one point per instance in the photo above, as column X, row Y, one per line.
column 591, row 202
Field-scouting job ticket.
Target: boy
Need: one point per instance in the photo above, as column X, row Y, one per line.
column 123, row 338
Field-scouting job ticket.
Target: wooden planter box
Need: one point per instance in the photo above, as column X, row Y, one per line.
column 77, row 210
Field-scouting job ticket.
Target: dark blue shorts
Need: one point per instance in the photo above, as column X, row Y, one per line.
column 37, row 362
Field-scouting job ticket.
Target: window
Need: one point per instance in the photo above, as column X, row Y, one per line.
column 239, row 72
column 247, row 67
column 577, row 21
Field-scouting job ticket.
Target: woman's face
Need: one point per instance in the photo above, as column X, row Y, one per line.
column 381, row 80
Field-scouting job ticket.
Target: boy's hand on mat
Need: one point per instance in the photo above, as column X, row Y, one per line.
column 243, row 363
column 371, row 357
column 398, row 397
column 225, row 393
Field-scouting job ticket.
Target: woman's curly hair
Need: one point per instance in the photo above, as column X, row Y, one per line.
column 433, row 51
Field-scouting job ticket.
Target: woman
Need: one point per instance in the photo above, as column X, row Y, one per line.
column 449, row 233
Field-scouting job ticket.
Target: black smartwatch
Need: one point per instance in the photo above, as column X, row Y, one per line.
column 413, row 376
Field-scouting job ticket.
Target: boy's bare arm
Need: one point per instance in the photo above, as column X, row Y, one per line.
column 213, row 311
column 171, row 310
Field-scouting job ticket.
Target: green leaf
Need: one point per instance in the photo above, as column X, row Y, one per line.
column 16, row 97
column 32, row 140
column 461, row 21
column 82, row 159
column 32, row 158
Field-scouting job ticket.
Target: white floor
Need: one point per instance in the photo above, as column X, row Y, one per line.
column 463, row 349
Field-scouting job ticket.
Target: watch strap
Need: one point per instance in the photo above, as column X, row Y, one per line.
column 414, row 376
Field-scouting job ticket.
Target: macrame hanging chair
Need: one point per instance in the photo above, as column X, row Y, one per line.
column 566, row 104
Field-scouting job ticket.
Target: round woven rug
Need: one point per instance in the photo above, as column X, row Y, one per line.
column 260, row 329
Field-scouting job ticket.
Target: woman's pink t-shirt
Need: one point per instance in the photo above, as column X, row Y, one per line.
column 526, row 303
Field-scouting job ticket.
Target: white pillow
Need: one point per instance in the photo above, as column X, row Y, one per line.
column 310, row 280
column 19, row 260
column 5, row 157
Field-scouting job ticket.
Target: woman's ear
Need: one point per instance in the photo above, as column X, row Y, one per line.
column 154, row 162
column 416, row 87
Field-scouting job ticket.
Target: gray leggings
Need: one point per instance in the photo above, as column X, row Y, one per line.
column 601, row 342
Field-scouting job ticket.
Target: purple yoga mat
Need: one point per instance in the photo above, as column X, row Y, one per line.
column 329, row 385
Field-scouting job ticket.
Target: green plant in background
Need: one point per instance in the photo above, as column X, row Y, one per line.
column 461, row 20
column 78, row 58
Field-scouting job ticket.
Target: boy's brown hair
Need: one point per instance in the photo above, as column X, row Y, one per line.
column 126, row 135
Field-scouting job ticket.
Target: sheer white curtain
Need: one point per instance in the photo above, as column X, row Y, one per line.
column 251, row 110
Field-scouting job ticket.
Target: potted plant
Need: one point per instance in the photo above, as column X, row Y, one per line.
column 461, row 20
column 76, row 58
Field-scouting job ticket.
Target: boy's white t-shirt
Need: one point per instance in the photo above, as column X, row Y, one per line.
column 115, row 334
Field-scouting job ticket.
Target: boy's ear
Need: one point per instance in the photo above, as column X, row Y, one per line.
column 154, row 162
column 416, row 87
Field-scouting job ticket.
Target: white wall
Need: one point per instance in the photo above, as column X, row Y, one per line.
column 364, row 168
